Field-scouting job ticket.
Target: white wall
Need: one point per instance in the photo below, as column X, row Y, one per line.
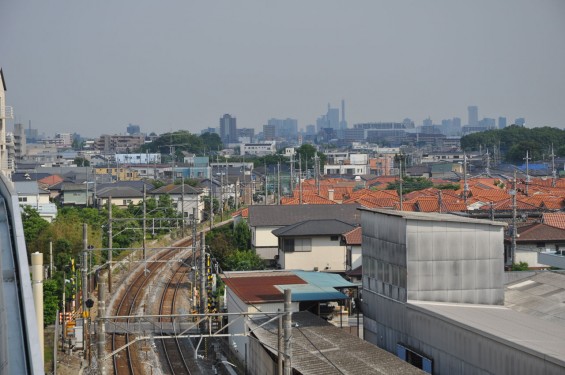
column 325, row 253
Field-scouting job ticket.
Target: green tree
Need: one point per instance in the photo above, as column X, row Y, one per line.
column 51, row 298
column 243, row 260
column 81, row 162
column 34, row 226
column 410, row 184
column 242, row 235
column 184, row 141
column 306, row 153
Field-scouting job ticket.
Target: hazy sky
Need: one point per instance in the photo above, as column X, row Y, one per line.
column 93, row 67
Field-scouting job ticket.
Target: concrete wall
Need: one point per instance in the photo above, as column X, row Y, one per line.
column 455, row 262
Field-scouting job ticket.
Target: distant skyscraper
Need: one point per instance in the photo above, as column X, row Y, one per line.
column 343, row 123
column 287, row 128
column 473, row 115
column 427, row 122
column 269, row 132
column 228, row 129
column 489, row 123
column 501, row 122
column 133, row 129
column 329, row 120
column 520, row 121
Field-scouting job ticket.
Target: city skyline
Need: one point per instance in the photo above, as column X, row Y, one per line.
column 93, row 69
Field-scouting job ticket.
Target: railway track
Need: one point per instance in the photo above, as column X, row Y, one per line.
column 177, row 359
column 127, row 362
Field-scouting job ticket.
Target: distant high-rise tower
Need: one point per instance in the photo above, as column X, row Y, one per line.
column 343, row 123
column 473, row 115
column 4, row 114
column 133, row 129
column 520, row 121
column 501, row 122
column 228, row 129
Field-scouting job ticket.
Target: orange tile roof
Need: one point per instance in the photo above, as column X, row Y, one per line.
column 555, row 219
column 353, row 237
column 51, row 180
column 244, row 213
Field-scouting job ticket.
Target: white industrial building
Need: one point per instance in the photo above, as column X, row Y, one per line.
column 433, row 293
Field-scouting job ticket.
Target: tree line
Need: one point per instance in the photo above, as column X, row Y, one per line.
column 513, row 142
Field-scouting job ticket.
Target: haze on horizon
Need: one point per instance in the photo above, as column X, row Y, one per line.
column 92, row 68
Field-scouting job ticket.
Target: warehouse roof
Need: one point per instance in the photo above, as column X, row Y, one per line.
column 318, row 347
column 432, row 216
column 522, row 331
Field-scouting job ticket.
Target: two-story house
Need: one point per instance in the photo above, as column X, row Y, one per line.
column 263, row 220
column 313, row 245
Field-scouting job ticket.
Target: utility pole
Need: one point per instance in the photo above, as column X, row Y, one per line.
column 194, row 242
column 51, row 259
column 279, row 182
column 144, row 227
column 553, row 171
column 465, row 186
column 101, row 334
column 527, row 158
column 266, row 184
column 292, row 172
column 400, row 182
column 287, row 323
column 110, row 244
column 203, row 293
column 182, row 202
column 84, row 287
column 212, row 200
column 514, row 230
column 317, row 171
column 488, row 164
column 300, row 178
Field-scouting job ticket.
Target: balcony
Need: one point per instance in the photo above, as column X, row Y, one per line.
column 552, row 258
column 6, row 113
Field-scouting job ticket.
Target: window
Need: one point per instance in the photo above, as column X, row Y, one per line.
column 334, row 238
column 288, row 244
column 296, row 244
column 22, row 199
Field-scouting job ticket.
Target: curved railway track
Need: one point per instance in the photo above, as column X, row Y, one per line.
column 126, row 362
column 176, row 358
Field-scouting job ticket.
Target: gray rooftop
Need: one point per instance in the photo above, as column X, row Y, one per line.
column 321, row 348
column 324, row 227
column 119, row 192
column 432, row 216
column 529, row 333
column 29, row 188
column 542, row 296
column 281, row 215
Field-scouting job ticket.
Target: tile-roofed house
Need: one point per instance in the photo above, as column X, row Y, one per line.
column 555, row 219
column 534, row 238
column 121, row 196
column 352, row 241
column 313, row 245
column 264, row 219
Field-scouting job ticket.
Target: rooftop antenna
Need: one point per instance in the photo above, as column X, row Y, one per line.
column 465, row 185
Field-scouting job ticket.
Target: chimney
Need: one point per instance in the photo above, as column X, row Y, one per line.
column 331, row 194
